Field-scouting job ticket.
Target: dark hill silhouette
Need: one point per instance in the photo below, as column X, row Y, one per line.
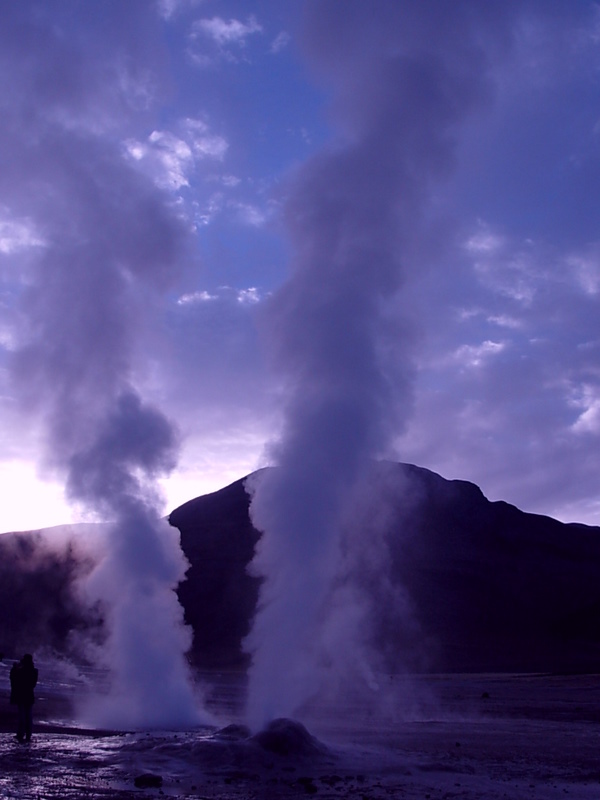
column 464, row 584
column 490, row 587
column 39, row 602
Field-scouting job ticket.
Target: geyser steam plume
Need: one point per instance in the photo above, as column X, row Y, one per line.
column 404, row 75
column 102, row 247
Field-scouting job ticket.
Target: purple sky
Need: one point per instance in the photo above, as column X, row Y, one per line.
column 148, row 152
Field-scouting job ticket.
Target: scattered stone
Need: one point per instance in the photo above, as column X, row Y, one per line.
column 237, row 775
column 330, row 780
column 308, row 785
column 148, row 781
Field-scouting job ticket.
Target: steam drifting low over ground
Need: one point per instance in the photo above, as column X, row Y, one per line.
column 478, row 737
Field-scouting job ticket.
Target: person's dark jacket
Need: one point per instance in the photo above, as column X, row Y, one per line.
column 23, row 679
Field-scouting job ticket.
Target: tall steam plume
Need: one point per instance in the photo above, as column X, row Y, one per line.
column 103, row 248
column 404, row 75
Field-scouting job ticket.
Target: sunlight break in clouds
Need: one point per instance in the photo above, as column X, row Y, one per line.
column 18, row 484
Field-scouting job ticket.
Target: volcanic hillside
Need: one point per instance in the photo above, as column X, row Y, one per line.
column 483, row 585
column 449, row 580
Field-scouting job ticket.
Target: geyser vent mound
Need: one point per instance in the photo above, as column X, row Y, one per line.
column 285, row 737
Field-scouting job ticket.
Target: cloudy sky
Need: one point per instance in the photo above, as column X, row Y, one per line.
column 151, row 210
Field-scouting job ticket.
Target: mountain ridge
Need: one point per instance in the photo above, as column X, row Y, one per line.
column 490, row 586
column 450, row 580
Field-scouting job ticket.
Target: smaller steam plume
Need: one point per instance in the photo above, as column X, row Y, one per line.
column 136, row 581
column 109, row 246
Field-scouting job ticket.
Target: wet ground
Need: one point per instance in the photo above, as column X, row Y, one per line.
column 464, row 736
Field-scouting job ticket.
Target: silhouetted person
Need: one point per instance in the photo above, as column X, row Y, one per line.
column 23, row 679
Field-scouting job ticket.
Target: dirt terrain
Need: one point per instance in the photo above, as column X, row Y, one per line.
column 444, row 736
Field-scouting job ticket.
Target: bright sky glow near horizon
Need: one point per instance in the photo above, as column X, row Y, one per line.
column 200, row 111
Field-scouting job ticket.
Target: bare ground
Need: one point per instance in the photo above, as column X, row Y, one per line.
column 468, row 736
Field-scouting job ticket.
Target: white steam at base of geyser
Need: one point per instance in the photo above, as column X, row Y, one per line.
column 115, row 474
column 340, row 661
column 150, row 684
column 302, row 634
